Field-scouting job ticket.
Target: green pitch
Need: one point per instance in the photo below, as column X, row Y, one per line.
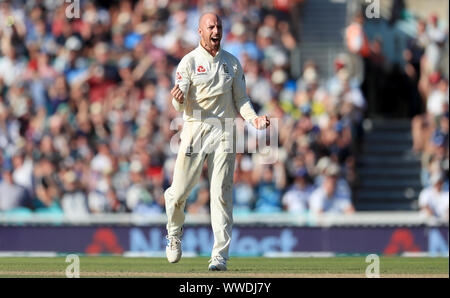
column 106, row 266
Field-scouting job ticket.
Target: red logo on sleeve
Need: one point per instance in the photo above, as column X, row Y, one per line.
column 178, row 76
column 201, row 69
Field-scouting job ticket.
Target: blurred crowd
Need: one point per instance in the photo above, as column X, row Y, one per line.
column 430, row 129
column 423, row 85
column 86, row 121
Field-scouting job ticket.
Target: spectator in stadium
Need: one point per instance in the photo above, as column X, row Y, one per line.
column 434, row 48
column 434, row 200
column 287, row 39
column 342, row 70
column 413, row 56
column 9, row 128
column 12, row 66
column 436, row 158
column 238, row 43
column 48, row 186
column 350, row 100
column 101, row 198
column 23, row 171
column 444, row 132
column 243, row 192
column 120, row 178
column 73, row 201
column 325, row 167
column 433, row 39
column 329, row 197
column 358, row 45
column 12, row 196
column 436, row 106
column 311, row 94
column 301, row 134
column 269, row 182
column 115, row 205
column 334, row 141
column 437, row 101
column 138, row 197
column 296, row 198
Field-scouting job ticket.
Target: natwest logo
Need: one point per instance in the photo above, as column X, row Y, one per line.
column 104, row 241
column 201, row 69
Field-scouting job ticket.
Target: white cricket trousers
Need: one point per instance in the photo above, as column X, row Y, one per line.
column 216, row 145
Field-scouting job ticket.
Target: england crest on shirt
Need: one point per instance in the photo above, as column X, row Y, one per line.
column 225, row 68
column 226, row 71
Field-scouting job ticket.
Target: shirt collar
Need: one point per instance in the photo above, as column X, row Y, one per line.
column 208, row 55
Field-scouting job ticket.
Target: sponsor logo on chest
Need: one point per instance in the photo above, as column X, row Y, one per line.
column 221, row 69
column 201, row 70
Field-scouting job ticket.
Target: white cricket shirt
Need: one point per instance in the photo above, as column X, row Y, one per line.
column 213, row 87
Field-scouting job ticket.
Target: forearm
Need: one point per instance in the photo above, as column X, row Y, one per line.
column 246, row 110
column 179, row 107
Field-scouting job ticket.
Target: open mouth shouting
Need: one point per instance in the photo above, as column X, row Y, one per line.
column 215, row 41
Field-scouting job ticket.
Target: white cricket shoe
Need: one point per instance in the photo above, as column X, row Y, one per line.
column 173, row 248
column 217, row 263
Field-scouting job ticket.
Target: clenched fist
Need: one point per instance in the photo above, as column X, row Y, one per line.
column 261, row 122
column 177, row 94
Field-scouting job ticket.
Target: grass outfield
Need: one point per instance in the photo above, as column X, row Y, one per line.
column 104, row 266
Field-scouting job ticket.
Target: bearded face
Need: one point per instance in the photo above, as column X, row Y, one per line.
column 210, row 30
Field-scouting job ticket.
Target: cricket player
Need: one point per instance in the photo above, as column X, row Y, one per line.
column 210, row 85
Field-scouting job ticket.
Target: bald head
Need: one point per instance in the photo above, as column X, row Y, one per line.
column 210, row 31
column 208, row 15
